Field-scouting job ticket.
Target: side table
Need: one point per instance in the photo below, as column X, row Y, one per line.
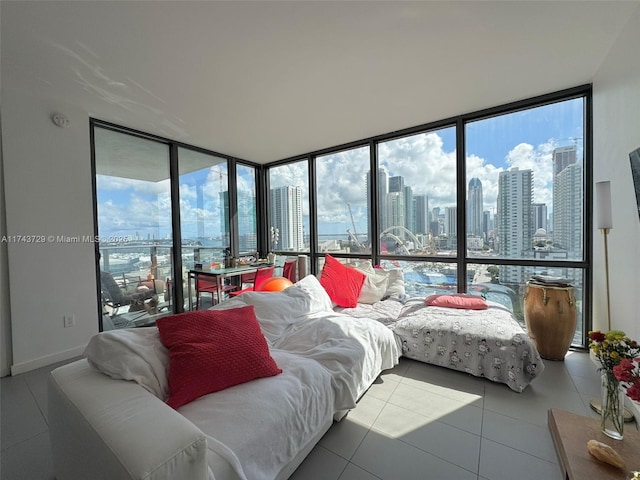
column 571, row 432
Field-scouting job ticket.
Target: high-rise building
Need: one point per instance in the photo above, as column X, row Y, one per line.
column 515, row 221
column 539, row 216
column 421, row 213
column 567, row 202
column 396, row 210
column 409, row 217
column 563, row 157
column 487, row 223
column 286, row 216
column 396, row 184
column 247, row 230
column 450, row 221
column 474, row 208
column 383, row 189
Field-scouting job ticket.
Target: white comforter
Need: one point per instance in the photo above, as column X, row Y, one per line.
column 242, row 417
column 353, row 350
column 301, row 320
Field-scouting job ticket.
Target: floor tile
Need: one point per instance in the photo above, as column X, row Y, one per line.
column 382, row 388
column 321, row 464
column 444, row 441
column 528, row 438
column 392, row 459
column 353, row 472
column 447, row 383
column 20, row 415
column 533, row 403
column 459, row 414
column 344, row 437
column 499, row 462
column 30, row 459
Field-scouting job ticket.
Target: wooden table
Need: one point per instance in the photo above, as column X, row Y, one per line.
column 571, row 432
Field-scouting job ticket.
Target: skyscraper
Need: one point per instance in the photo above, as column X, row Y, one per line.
column 421, row 213
column 383, row 189
column 450, row 221
column 539, row 216
column 567, row 201
column 474, row 207
column 286, row 216
column 247, row 221
column 515, row 221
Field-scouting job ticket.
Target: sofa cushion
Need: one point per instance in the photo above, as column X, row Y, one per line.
column 460, row 300
column 342, row 283
column 210, row 350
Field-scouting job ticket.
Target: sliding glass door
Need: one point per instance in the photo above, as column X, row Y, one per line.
column 134, row 219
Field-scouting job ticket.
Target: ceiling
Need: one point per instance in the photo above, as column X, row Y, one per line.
column 268, row 80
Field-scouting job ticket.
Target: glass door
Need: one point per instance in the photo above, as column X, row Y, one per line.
column 134, row 243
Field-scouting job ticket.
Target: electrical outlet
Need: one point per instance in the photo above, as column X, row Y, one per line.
column 69, row 320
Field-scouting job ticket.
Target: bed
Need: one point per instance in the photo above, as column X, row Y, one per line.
column 485, row 343
column 462, row 332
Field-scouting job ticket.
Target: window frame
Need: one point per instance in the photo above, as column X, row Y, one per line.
column 462, row 261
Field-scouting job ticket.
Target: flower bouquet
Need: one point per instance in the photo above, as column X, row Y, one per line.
column 627, row 372
column 611, row 349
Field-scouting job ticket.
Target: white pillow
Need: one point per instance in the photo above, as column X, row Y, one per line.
column 375, row 283
column 396, row 283
column 132, row 354
column 320, row 301
column 277, row 310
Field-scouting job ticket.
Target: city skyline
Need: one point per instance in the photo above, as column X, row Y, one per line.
column 427, row 162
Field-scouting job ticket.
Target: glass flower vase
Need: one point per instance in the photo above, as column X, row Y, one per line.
column 612, row 416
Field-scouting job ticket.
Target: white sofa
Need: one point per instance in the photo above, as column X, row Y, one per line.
column 108, row 418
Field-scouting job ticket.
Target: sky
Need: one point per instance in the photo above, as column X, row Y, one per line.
column 427, row 161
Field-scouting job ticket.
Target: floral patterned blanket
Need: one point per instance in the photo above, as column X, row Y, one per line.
column 485, row 343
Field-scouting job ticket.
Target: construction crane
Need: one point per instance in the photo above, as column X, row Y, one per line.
column 353, row 235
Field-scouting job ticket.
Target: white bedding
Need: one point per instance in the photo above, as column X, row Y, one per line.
column 243, row 416
column 354, row 350
column 328, row 360
column 300, row 320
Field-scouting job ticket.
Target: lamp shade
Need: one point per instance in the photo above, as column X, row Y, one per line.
column 603, row 199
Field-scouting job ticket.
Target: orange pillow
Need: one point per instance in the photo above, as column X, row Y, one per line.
column 458, row 300
column 342, row 283
column 210, row 350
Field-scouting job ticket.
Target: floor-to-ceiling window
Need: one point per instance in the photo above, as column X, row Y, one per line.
column 161, row 208
column 480, row 202
column 525, row 200
column 134, row 221
column 204, row 209
column 247, row 195
column 342, row 206
column 288, row 223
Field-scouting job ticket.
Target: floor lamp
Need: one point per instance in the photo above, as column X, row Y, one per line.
column 605, row 224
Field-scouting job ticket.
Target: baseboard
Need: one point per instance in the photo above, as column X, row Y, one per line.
column 24, row 367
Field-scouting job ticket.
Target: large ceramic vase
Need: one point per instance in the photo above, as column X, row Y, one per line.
column 550, row 316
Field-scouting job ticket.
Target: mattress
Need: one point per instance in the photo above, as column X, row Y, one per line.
column 486, row 343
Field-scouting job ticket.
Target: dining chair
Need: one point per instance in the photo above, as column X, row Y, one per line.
column 207, row 285
column 261, row 275
column 289, row 270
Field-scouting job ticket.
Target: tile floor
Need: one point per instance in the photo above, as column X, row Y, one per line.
column 416, row 422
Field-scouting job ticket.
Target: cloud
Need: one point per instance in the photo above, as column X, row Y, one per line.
column 539, row 160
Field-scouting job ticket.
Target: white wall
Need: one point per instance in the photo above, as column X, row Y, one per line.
column 616, row 103
column 47, row 173
column 616, row 111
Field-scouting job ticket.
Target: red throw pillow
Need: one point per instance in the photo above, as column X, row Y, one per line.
column 210, row 350
column 458, row 300
column 342, row 283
